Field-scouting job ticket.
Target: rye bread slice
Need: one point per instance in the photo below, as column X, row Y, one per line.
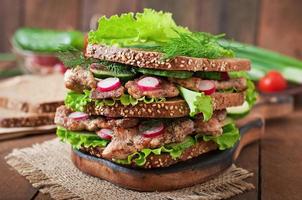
column 153, row 60
column 163, row 160
column 13, row 119
column 32, row 93
column 167, row 109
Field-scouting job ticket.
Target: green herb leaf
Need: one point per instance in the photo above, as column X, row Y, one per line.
column 150, row 27
column 198, row 44
column 197, row 102
column 80, row 139
column 228, row 139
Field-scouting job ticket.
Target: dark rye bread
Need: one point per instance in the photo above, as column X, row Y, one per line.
column 167, row 109
column 11, row 118
column 163, row 160
column 149, row 59
column 31, row 93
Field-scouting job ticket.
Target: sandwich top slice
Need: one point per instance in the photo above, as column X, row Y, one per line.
column 150, row 93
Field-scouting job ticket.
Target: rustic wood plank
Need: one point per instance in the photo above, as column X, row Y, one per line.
column 10, row 20
column 13, row 185
column 54, row 14
column 280, row 26
column 239, row 20
column 249, row 159
column 281, row 163
column 92, row 8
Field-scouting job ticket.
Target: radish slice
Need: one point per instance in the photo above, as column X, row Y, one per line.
column 206, row 86
column 108, row 84
column 151, row 129
column 78, row 116
column 105, row 133
column 148, row 83
column 224, row 76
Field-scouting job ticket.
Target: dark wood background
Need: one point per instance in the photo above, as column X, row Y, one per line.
column 272, row 24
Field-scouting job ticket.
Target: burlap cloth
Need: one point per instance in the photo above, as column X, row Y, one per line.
column 49, row 168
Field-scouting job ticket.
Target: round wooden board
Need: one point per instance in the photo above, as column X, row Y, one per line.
column 178, row 176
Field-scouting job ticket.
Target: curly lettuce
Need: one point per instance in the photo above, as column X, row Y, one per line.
column 197, row 102
column 147, row 28
column 79, row 101
column 80, row 139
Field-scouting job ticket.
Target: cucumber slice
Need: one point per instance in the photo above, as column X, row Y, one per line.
column 101, row 72
column 244, row 108
column 165, row 73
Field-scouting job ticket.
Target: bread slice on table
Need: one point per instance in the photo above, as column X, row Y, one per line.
column 153, row 60
column 167, row 109
column 13, row 119
column 33, row 93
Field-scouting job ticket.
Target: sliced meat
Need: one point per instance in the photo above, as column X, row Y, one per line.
column 212, row 126
column 122, row 144
column 95, row 94
column 91, row 124
column 192, row 83
column 165, row 89
column 128, row 141
column 79, row 79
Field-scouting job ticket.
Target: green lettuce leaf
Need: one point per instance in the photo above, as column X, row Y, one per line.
column 228, row 139
column 78, row 101
column 80, row 139
column 198, row 103
column 150, row 28
column 251, row 93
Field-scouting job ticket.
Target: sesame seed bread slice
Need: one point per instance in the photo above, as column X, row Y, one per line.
column 164, row 159
column 167, row 109
column 33, row 93
column 153, row 60
column 13, row 119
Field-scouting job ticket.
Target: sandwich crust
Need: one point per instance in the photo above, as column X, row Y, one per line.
column 168, row 109
column 153, row 60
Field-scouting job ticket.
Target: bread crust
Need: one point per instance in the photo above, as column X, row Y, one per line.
column 164, row 159
column 167, row 109
column 32, row 120
column 153, row 60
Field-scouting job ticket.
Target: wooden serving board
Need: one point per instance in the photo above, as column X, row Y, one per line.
column 178, row 176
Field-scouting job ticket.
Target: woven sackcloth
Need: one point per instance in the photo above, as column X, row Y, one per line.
column 49, row 168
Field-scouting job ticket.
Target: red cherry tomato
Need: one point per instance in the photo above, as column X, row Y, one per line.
column 273, row 81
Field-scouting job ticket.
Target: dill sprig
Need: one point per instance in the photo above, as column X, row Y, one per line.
column 117, row 68
column 197, row 44
column 72, row 57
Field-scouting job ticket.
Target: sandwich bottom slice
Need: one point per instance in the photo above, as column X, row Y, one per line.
column 147, row 143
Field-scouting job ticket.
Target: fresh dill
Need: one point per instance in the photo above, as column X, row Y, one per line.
column 117, row 68
column 72, row 57
column 197, row 44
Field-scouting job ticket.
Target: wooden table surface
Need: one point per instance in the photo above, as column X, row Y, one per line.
column 276, row 161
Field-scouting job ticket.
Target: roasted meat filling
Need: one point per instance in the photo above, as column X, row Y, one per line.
column 95, row 94
column 165, row 89
column 79, row 79
column 128, row 141
column 91, row 124
column 239, row 84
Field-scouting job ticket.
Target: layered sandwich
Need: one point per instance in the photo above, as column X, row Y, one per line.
column 148, row 93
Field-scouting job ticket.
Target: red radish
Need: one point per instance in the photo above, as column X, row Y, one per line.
column 78, row 116
column 224, row 76
column 206, row 86
column 105, row 133
column 148, row 83
column 151, row 129
column 108, row 84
